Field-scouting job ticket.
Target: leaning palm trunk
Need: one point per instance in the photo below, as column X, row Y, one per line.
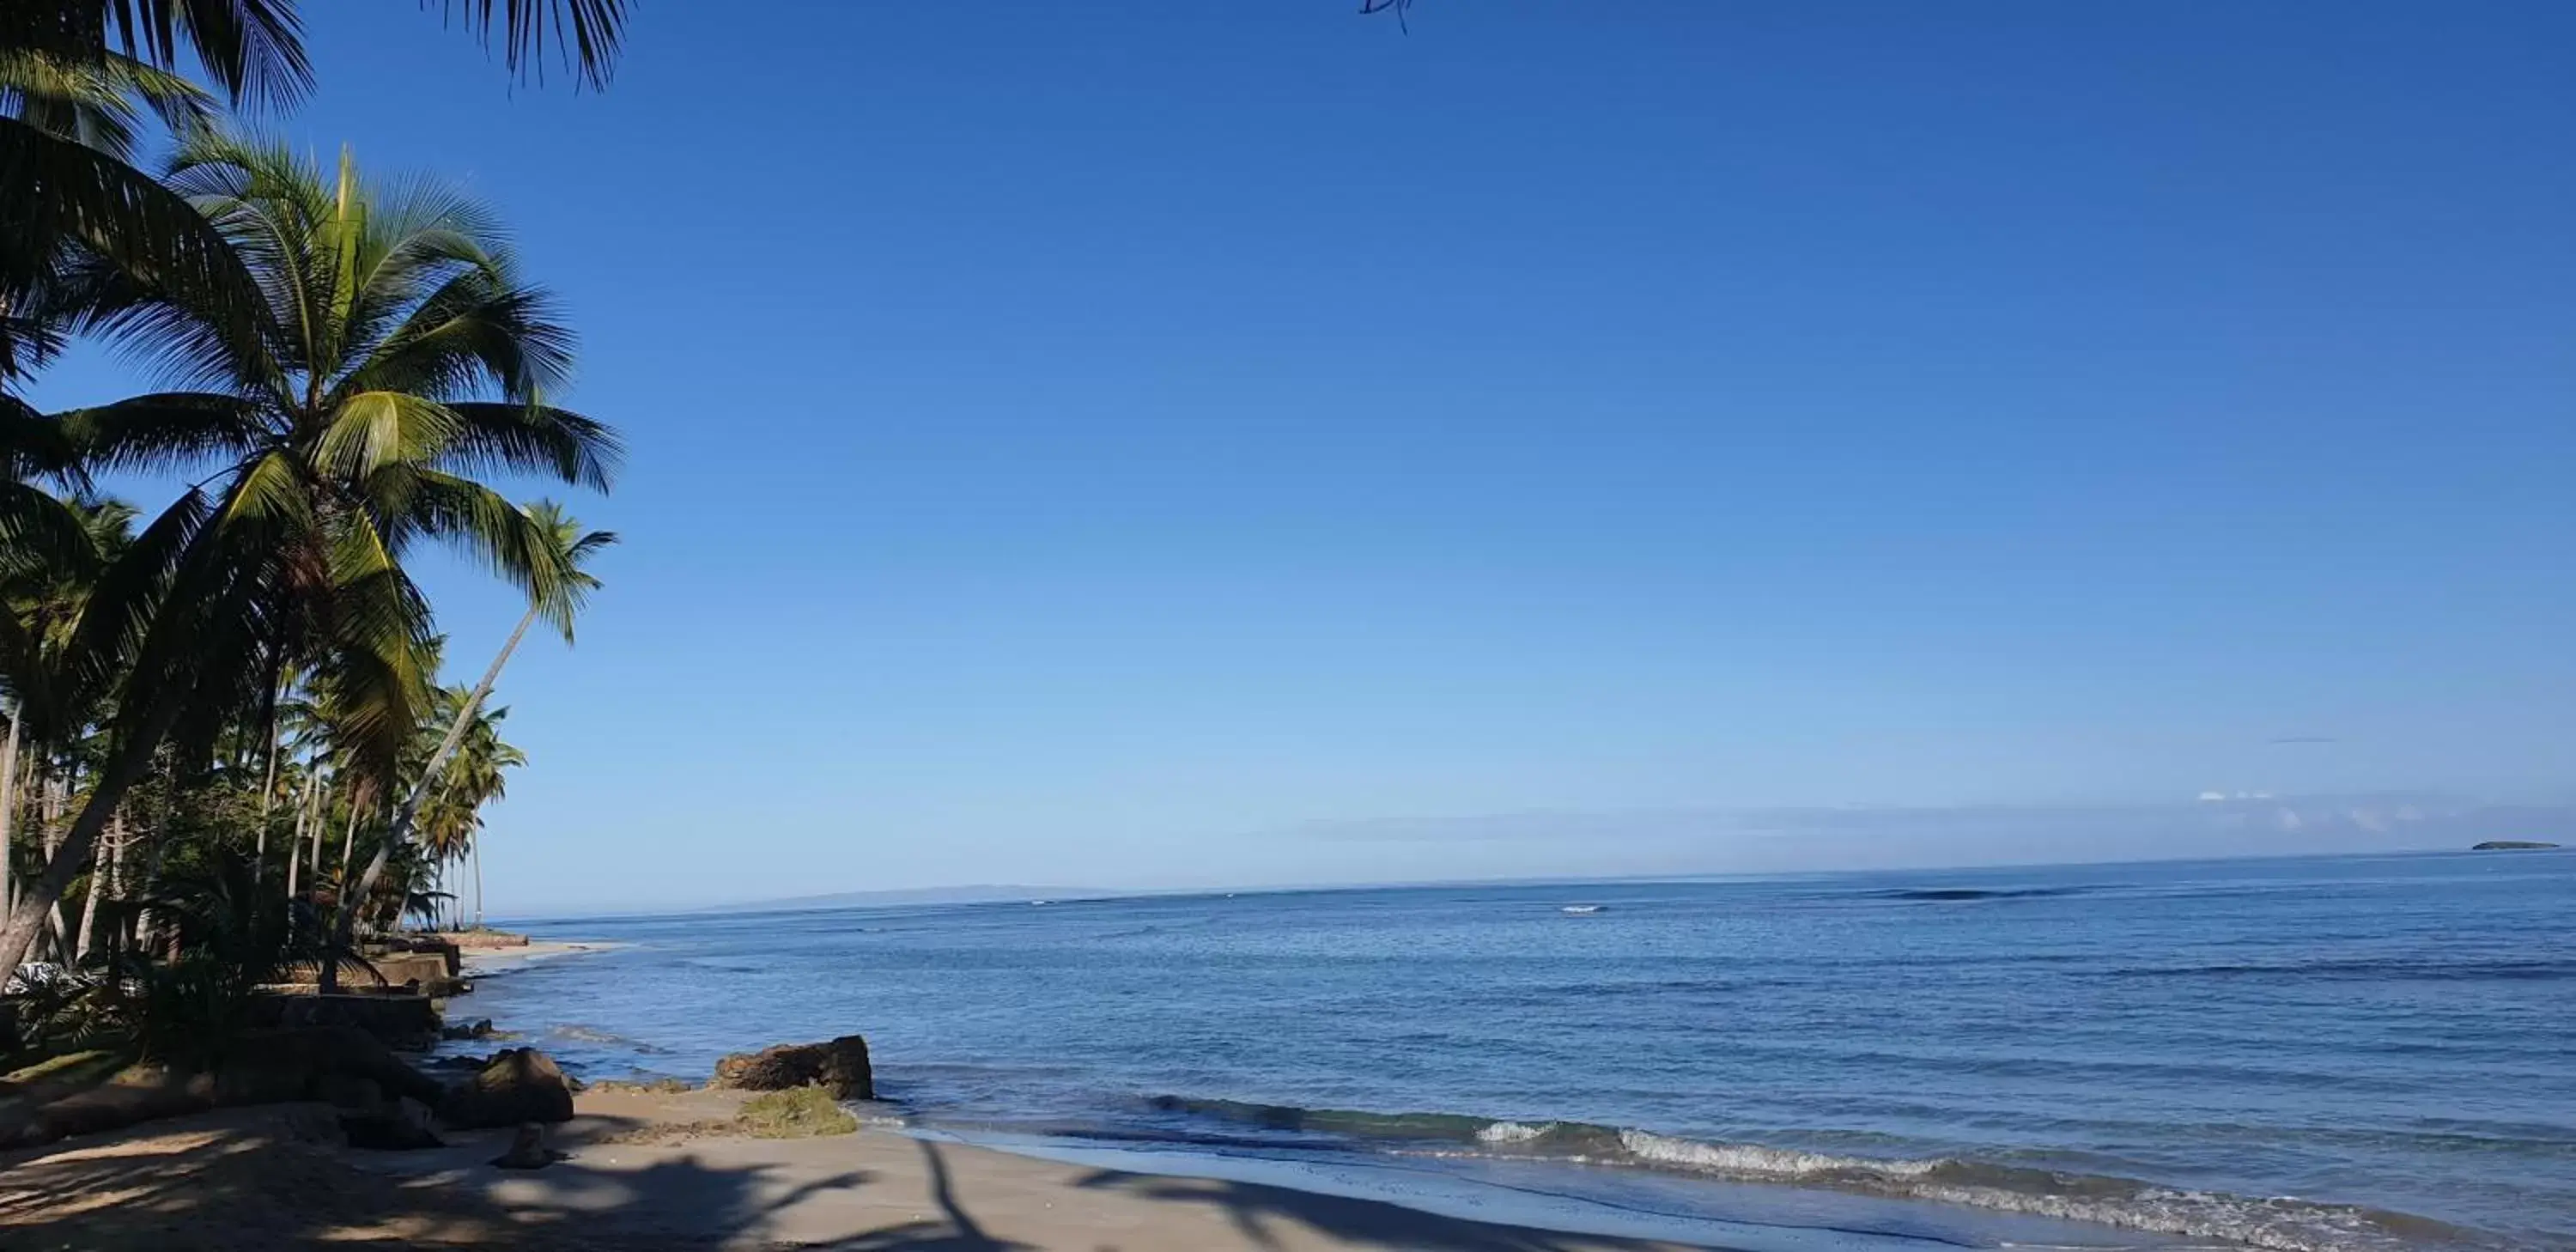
column 8, row 811
column 102, row 881
column 89, row 906
column 313, row 866
column 408, row 815
column 349, row 840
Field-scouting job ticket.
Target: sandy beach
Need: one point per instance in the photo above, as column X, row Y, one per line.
column 642, row 1172
column 477, row 962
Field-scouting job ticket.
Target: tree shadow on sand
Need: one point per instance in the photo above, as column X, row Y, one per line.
column 277, row 1177
column 1263, row 1215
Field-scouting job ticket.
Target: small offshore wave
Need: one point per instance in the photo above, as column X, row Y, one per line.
column 2505, row 970
column 1944, row 894
column 602, row 1038
column 2281, row 1224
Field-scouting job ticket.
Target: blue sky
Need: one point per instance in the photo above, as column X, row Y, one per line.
column 1125, row 445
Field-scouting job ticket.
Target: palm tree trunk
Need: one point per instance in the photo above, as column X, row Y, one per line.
column 100, row 868
column 314, row 866
column 89, row 908
column 474, row 844
column 267, row 792
column 131, row 762
column 8, row 811
column 143, row 920
column 52, row 838
column 303, row 819
column 399, row 831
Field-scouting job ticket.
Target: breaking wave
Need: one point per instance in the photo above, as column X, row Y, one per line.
column 2279, row 1224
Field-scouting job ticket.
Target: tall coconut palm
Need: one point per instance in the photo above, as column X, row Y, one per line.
column 396, row 353
column 451, row 825
column 568, row 549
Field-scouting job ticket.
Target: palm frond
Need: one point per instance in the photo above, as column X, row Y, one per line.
column 584, row 34
column 533, row 438
column 57, row 195
column 375, row 430
column 99, row 102
column 164, row 430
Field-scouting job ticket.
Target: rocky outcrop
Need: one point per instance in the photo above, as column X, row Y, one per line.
column 518, row 1085
column 2511, row 845
column 479, row 1028
column 839, row 1067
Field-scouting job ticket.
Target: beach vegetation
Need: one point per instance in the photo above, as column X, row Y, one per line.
column 228, row 756
column 795, row 1113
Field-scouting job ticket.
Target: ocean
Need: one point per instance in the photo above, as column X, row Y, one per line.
column 2370, row 1053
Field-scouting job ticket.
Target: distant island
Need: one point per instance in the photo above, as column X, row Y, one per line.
column 2511, row 845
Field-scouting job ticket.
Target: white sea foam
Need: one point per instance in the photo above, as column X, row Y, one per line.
column 2282, row 1225
column 1513, row 1132
column 1748, row 1160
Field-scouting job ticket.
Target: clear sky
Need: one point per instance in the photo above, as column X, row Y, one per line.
column 1201, row 443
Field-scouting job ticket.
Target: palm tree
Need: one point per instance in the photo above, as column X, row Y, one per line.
column 395, row 353
column 68, row 185
column 568, row 549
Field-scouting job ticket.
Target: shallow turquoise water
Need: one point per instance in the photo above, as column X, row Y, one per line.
column 2328, row 1053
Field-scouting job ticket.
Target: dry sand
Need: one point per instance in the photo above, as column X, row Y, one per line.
column 643, row 1174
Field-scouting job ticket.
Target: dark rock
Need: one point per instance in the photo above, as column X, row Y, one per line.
column 479, row 1028
column 348, row 1091
column 2511, row 845
column 271, row 1065
column 517, row 1085
column 528, row 1150
column 839, row 1067
column 402, row 1128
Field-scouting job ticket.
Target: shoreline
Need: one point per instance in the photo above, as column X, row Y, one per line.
column 674, row 1120
column 1663, row 1208
column 1681, row 1192
column 477, row 962
column 654, row 1168
column 636, row 1173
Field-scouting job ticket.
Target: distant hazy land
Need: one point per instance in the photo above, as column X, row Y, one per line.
column 985, row 893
